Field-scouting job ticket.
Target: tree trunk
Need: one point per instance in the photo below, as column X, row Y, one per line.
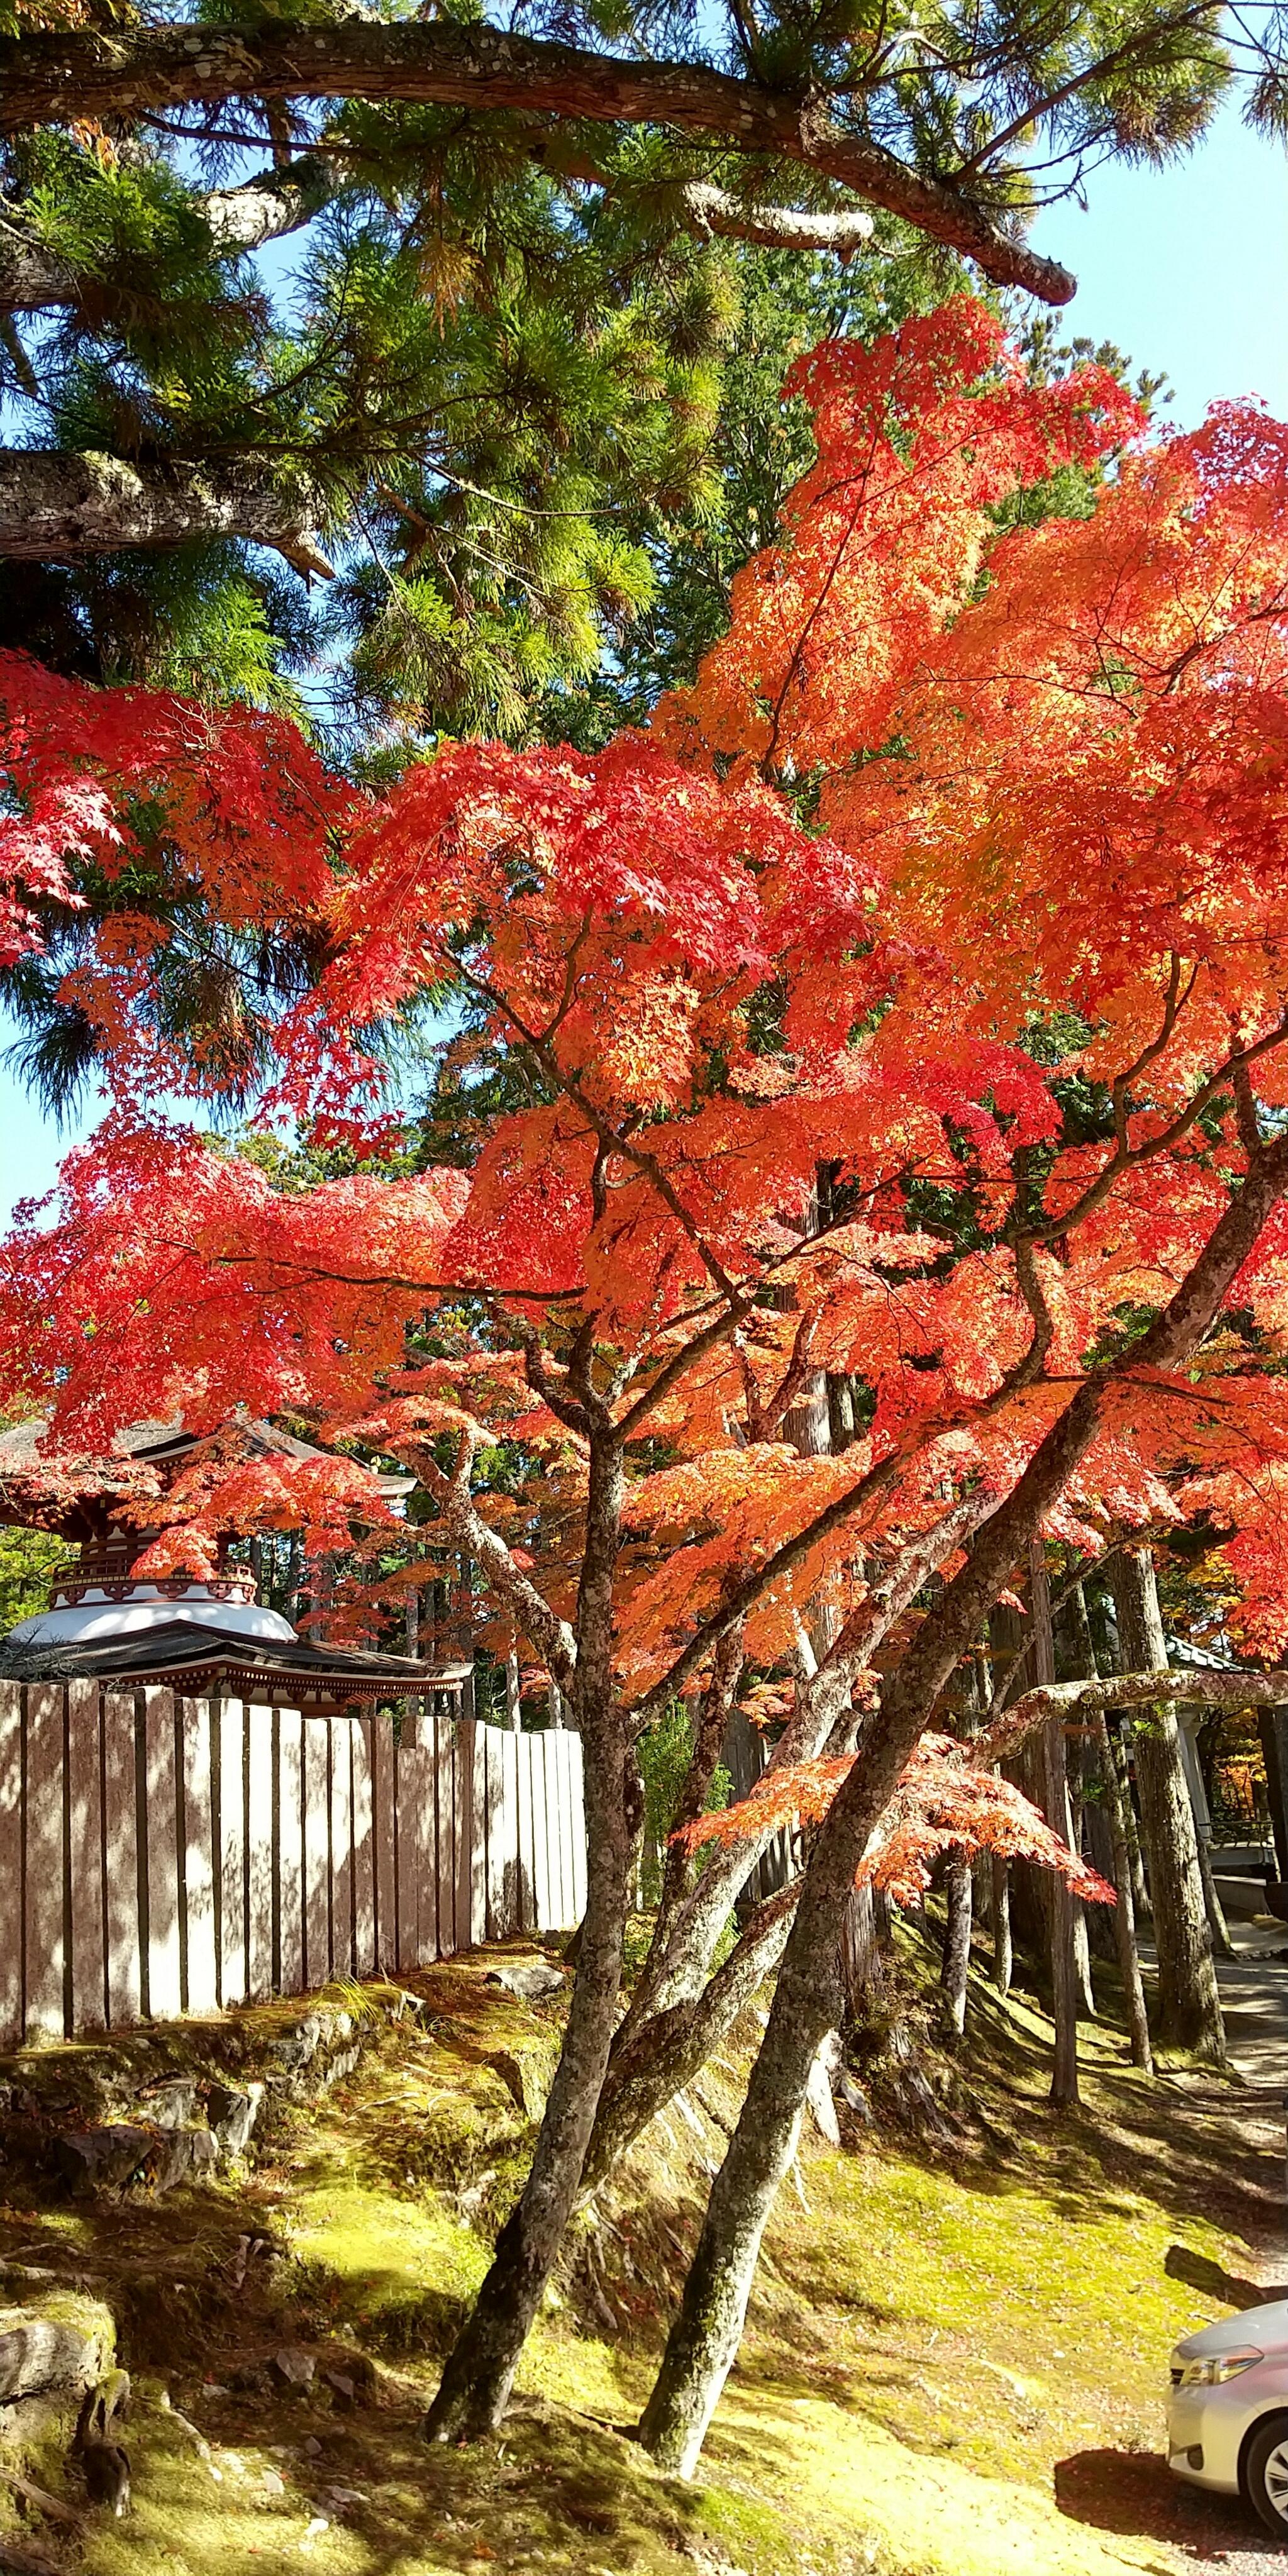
column 1214, row 1909
column 475, row 2386
column 707, row 2329
column 1003, row 1950
column 1142, row 2054
column 1055, row 1807
column 959, row 1890
column 1117, row 1808
column 68, row 506
column 1189, row 2006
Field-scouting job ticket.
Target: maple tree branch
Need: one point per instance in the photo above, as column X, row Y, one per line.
column 1125, row 1690
column 537, row 1369
column 608, row 1134
column 1132, row 1156
column 1173, row 1333
column 54, row 77
column 465, row 1521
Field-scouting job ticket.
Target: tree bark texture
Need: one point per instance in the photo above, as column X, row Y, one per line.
column 46, row 77
column 1003, row 1949
column 707, row 2329
column 1055, row 1807
column 1142, row 2054
column 954, row 1970
column 65, row 506
column 475, row 2386
column 1189, row 2006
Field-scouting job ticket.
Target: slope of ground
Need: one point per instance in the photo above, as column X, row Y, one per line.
column 955, row 2360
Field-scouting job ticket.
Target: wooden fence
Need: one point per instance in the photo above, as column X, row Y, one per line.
column 161, row 1855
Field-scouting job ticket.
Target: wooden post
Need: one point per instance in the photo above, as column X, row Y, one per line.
column 10, row 1864
column 161, row 1825
column 513, row 1717
column 259, row 1852
column 232, row 1851
column 85, row 1856
column 291, row 1979
column 121, row 1883
column 364, row 1853
column 198, row 1860
column 338, row 1733
column 382, row 1775
column 317, row 1855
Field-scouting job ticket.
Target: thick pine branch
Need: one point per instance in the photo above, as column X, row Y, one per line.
column 36, row 277
column 56, row 506
column 52, row 78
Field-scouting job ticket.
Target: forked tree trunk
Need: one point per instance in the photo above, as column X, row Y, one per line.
column 707, row 2329
column 1189, row 2006
column 475, row 2386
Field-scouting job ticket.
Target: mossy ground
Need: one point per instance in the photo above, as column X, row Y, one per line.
column 954, row 2363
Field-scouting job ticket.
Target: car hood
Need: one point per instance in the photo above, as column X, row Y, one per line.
column 1266, row 2326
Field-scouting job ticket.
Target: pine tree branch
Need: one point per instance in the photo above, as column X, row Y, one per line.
column 55, row 77
column 36, row 278
column 69, row 506
column 714, row 210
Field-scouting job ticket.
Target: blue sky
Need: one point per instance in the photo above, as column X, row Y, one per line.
column 1185, row 269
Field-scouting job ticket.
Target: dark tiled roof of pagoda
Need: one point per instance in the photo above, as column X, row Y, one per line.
column 183, row 1651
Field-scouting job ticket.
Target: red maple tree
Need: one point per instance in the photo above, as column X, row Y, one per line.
column 956, row 878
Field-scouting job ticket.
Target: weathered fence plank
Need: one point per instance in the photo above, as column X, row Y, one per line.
column 444, row 1836
column 407, row 1795
column 85, row 1856
column 290, row 1974
column 382, row 1777
column 232, row 1852
column 11, row 1862
column 198, row 1877
column 364, row 1883
column 164, row 1974
column 121, row 1841
column 182, row 1856
column 317, row 1854
column 341, row 1849
column 574, row 1811
column 259, row 1851
column 43, row 1861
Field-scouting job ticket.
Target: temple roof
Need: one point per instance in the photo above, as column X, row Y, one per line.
column 201, row 1659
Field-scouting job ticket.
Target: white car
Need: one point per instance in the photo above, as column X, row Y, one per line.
column 1227, row 2416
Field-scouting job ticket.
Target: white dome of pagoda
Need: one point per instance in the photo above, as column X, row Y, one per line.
column 83, row 1612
